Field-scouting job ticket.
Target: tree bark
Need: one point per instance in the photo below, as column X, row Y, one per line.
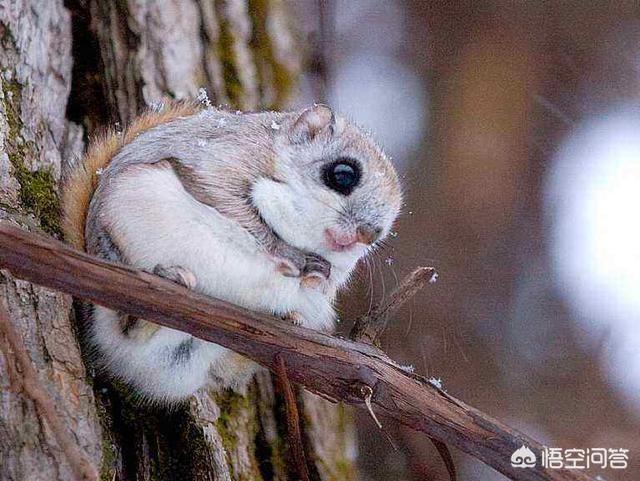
column 127, row 55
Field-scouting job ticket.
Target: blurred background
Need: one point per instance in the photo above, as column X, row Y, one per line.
column 516, row 128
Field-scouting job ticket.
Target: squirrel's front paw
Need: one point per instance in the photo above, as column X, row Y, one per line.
column 313, row 269
column 316, row 271
column 290, row 261
column 179, row 275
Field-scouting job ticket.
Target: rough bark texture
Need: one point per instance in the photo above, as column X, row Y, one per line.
column 126, row 55
column 35, row 79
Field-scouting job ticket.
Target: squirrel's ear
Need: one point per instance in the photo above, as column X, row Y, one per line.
column 313, row 121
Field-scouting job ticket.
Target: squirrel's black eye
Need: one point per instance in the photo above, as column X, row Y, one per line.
column 342, row 175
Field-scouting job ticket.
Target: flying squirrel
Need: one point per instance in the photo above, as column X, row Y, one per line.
column 270, row 211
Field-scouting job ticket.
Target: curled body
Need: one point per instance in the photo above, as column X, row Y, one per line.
column 270, row 211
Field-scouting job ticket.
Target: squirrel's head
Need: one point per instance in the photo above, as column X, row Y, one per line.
column 333, row 191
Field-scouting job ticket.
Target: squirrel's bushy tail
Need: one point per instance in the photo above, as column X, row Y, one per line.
column 80, row 183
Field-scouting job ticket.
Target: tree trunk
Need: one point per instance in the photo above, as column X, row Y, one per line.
column 128, row 54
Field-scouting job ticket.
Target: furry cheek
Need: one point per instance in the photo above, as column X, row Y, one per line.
column 281, row 208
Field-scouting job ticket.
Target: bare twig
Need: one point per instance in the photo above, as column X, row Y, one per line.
column 14, row 351
column 369, row 328
column 334, row 368
column 293, row 419
column 445, row 454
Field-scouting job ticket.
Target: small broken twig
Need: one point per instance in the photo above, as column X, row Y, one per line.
column 293, row 419
column 445, row 454
column 15, row 352
column 367, row 401
column 369, row 328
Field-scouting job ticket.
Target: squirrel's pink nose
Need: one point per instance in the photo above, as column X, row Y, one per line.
column 341, row 241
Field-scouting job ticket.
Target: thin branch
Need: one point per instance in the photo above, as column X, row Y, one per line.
column 14, row 351
column 334, row 368
column 293, row 419
column 447, row 458
column 369, row 328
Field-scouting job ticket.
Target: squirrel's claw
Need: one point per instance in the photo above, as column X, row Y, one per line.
column 179, row 275
column 294, row 318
